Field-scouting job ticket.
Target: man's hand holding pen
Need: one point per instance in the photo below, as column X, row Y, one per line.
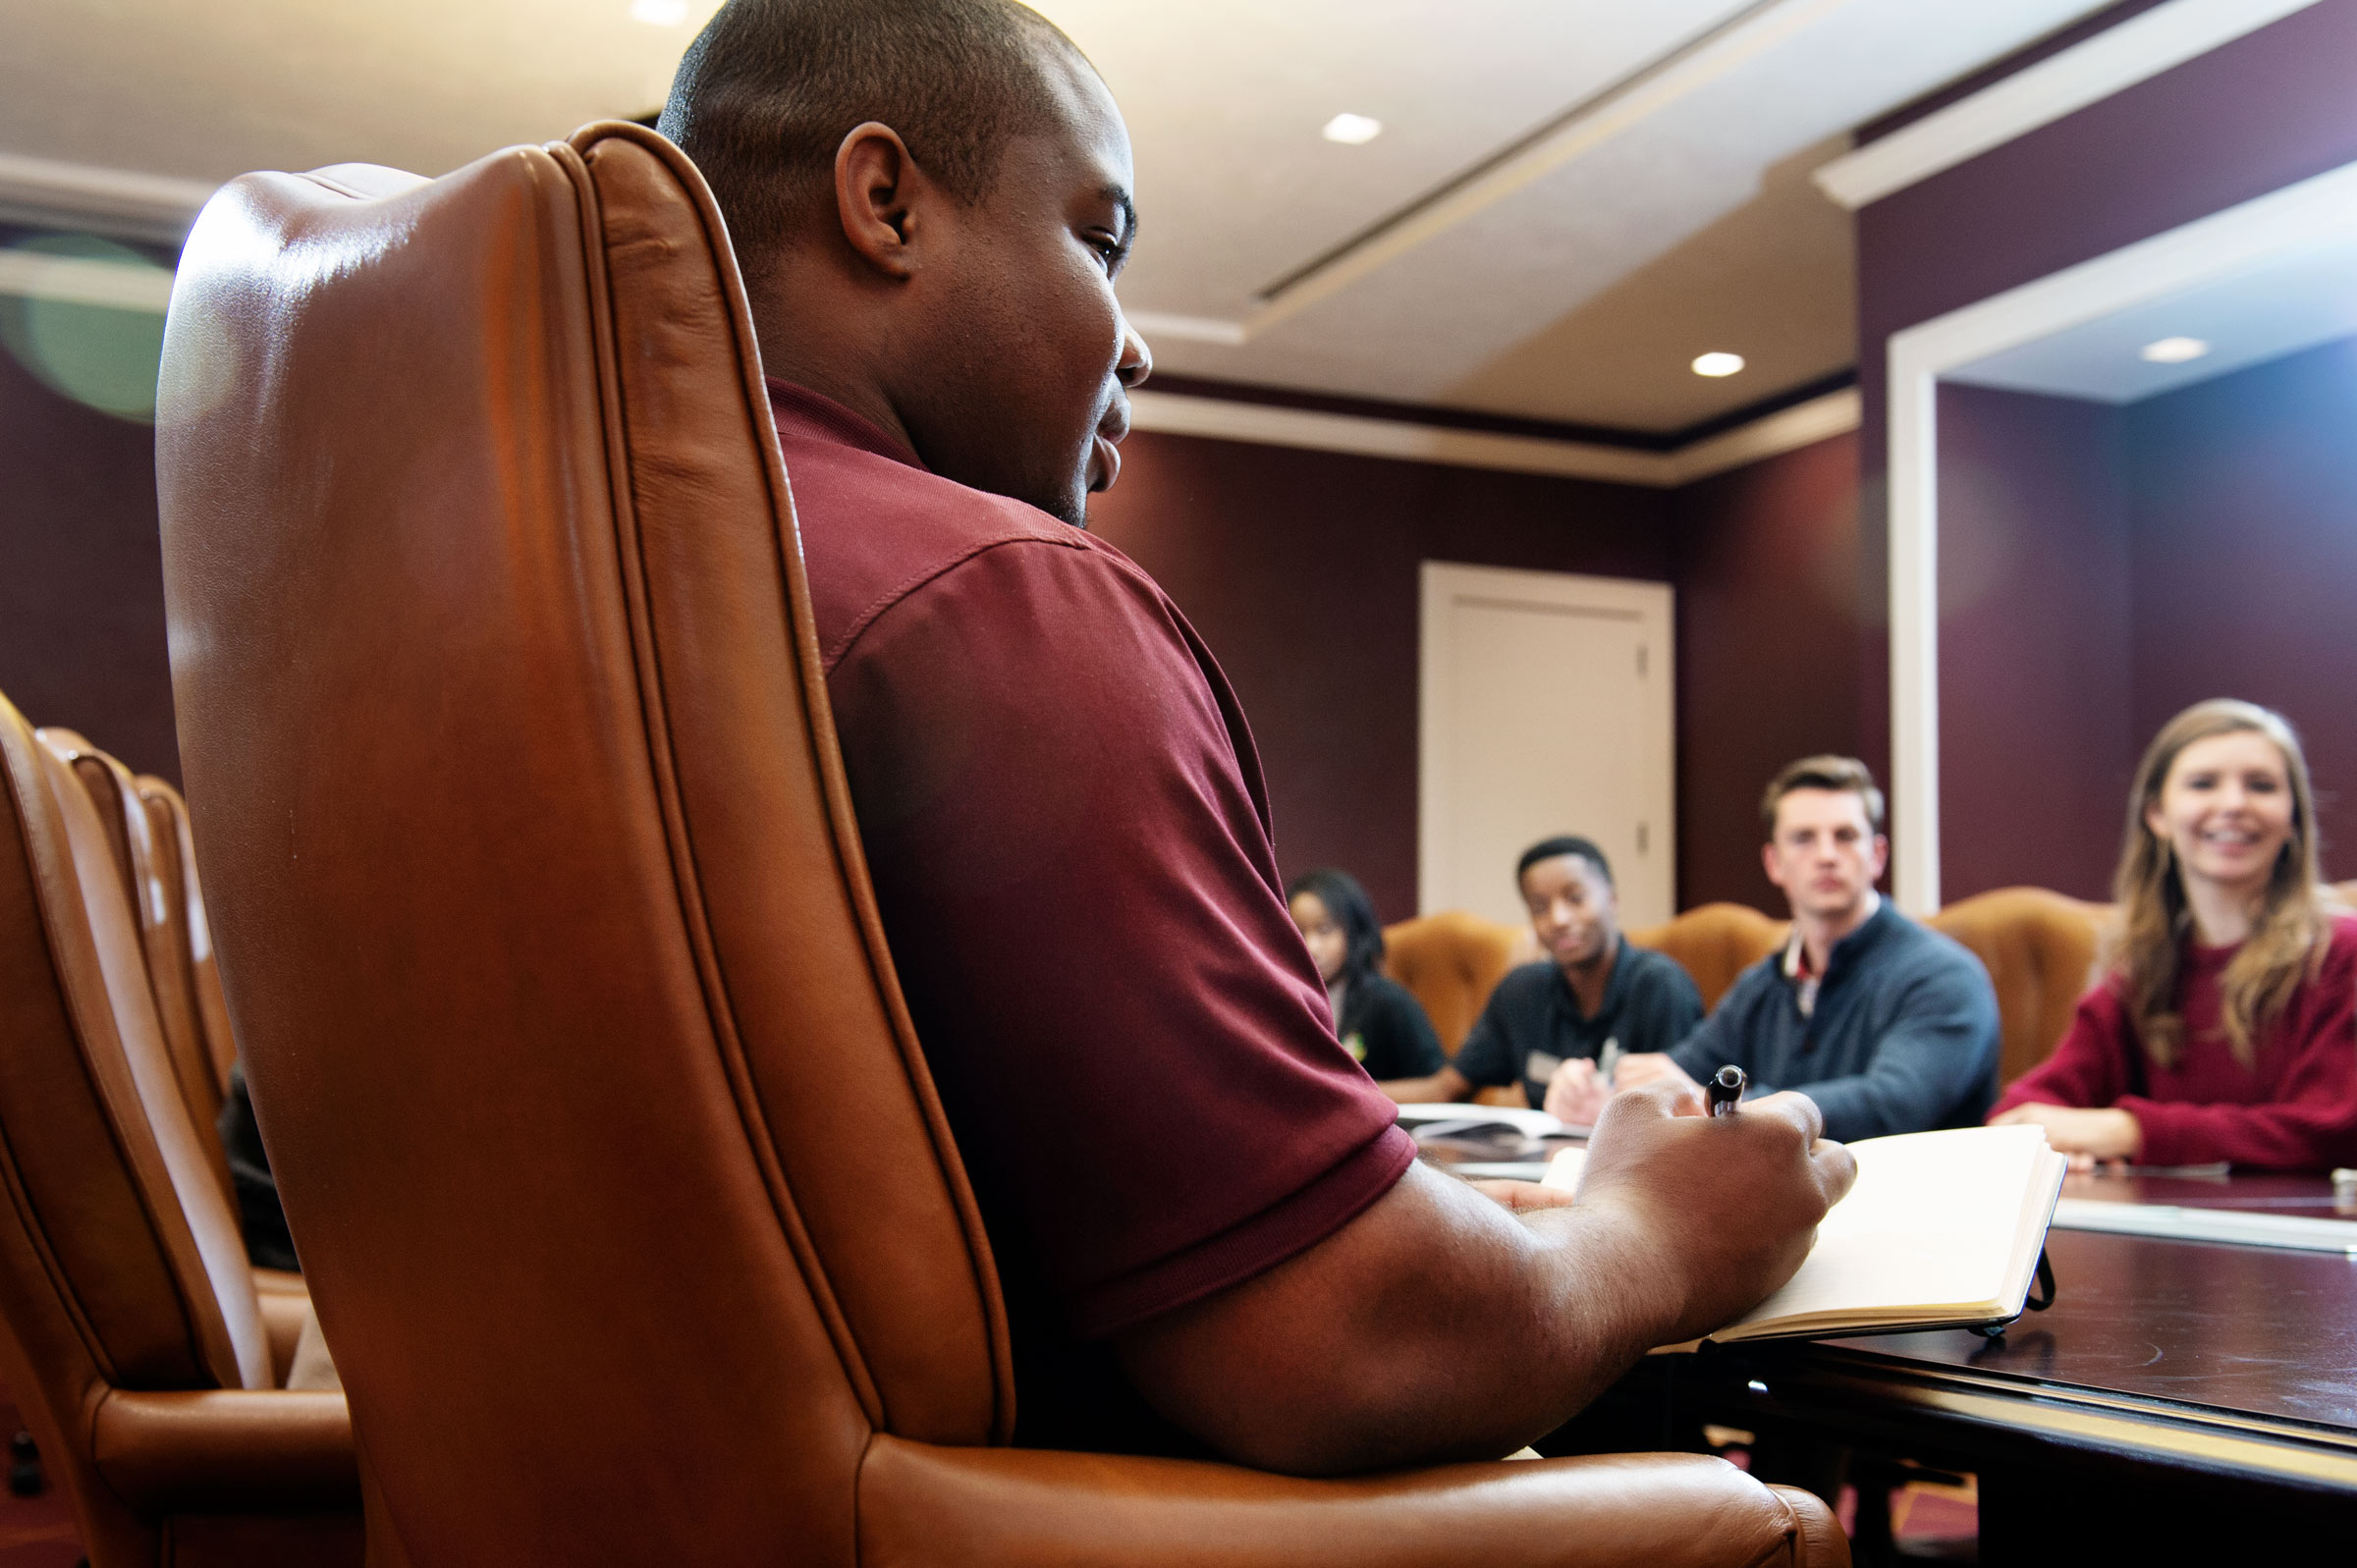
column 1732, row 1201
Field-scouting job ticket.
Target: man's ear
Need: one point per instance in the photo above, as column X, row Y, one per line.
column 879, row 191
column 1882, row 856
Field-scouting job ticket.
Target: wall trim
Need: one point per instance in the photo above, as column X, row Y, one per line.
column 1264, row 424
column 2062, row 84
column 53, row 188
column 2316, row 210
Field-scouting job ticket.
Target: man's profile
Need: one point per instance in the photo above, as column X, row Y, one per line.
column 1209, row 1232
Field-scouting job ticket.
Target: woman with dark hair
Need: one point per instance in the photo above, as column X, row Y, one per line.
column 2225, row 1027
column 1378, row 1021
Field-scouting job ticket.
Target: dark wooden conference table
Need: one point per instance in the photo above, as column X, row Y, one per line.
column 2180, row 1401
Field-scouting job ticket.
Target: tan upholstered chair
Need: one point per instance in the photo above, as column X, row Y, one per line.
column 2038, row 947
column 1452, row 961
column 620, row 1181
column 135, row 1342
column 1713, row 942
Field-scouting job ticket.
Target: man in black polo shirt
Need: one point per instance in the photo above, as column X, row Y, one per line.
column 1555, row 1027
column 1890, row 1027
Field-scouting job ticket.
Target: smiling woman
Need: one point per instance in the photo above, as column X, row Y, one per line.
column 2222, row 1028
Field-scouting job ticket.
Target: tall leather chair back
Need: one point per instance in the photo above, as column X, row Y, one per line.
column 168, row 819
column 158, row 894
column 2038, row 947
column 1713, row 942
column 544, row 927
column 1451, row 960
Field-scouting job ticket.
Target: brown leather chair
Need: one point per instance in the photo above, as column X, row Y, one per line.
column 1452, row 961
column 134, row 1342
column 150, row 867
column 168, row 819
column 1713, row 942
column 2038, row 947
column 620, row 1181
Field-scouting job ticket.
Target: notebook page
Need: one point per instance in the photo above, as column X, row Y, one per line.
column 1932, row 1221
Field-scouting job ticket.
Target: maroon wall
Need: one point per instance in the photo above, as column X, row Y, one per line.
column 81, row 579
column 1768, row 641
column 2036, row 735
column 2268, row 109
column 2244, row 496
column 1301, row 570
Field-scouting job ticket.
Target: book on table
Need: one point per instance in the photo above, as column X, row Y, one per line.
column 1943, row 1230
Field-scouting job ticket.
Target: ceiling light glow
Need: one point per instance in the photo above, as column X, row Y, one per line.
column 1717, row 363
column 2174, row 351
column 659, row 13
column 1352, row 130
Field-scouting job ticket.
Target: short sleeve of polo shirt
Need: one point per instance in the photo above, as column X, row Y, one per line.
column 1066, row 827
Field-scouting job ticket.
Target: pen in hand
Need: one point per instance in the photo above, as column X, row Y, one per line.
column 1725, row 1089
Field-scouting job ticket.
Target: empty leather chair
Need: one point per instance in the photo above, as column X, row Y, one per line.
column 168, row 819
column 135, row 1342
column 150, row 864
column 2038, row 947
column 620, row 1183
column 1452, row 960
column 1713, row 942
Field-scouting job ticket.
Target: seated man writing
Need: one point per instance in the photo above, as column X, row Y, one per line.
column 1209, row 1233
column 1558, row 1026
column 1886, row 1026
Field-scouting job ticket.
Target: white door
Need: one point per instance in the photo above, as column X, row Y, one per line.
column 1546, row 709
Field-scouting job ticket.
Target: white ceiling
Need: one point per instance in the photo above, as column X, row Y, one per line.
column 2281, row 306
column 1668, row 215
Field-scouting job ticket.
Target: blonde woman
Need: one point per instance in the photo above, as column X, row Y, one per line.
column 2223, row 1028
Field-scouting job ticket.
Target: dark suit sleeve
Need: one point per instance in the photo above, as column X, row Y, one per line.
column 1937, row 1056
column 1399, row 1035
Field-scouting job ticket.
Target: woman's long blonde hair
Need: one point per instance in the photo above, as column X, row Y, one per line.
column 2286, row 939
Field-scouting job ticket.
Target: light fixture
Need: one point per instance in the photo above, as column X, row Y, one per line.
column 2174, row 351
column 1715, row 363
column 1352, row 130
column 659, row 13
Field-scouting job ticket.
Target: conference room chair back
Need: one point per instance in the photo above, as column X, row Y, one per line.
column 1452, row 961
column 168, row 819
column 616, row 1172
column 158, row 897
column 2038, row 947
column 134, row 1342
column 1713, row 942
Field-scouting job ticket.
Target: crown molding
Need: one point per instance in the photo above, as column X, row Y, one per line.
column 2112, row 61
column 1263, row 424
column 65, row 192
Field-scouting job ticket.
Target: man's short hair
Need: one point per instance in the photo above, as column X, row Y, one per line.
column 770, row 89
column 1843, row 774
column 1563, row 844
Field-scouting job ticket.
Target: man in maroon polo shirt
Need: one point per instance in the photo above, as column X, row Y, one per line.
column 1209, row 1231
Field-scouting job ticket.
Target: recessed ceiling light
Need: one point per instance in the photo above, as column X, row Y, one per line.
column 1352, row 130
column 1717, row 365
column 2174, row 350
column 659, row 13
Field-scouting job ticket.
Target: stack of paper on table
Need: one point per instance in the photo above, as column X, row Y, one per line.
column 1943, row 1230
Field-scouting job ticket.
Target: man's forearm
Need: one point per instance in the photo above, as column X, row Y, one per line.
column 1488, row 1329
column 1446, row 1086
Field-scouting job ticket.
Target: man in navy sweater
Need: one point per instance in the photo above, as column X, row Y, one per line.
column 1887, row 1026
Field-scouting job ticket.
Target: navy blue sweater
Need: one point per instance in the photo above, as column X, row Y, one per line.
column 1902, row 1039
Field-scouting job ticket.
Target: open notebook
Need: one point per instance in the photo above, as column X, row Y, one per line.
column 1943, row 1230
